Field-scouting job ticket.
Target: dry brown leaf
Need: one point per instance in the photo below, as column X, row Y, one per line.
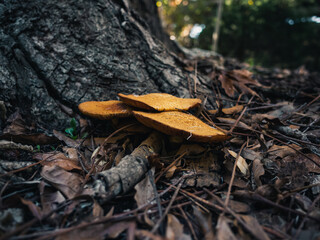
column 58, row 159
column 241, row 164
column 174, row 230
column 170, row 172
column 144, row 191
column 205, row 222
column 72, row 153
column 258, row 117
column 255, row 227
column 227, row 85
column 97, row 231
column 282, row 151
column 239, row 207
column 231, row 122
column 239, row 78
column 224, row 232
column 62, row 137
column 229, row 111
column 97, row 210
column 298, row 158
column 66, row 182
column 258, row 171
column 50, row 199
column 237, row 182
column 191, row 149
column 17, row 130
column 34, row 209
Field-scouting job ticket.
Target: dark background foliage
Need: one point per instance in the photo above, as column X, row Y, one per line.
column 283, row 33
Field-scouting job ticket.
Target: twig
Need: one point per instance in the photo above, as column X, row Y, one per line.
column 103, row 144
column 243, row 111
column 266, row 107
column 171, row 164
column 310, row 103
column 276, row 233
column 257, row 197
column 23, row 168
column 26, row 225
column 189, row 223
column 230, row 211
column 305, row 218
column 156, row 226
column 226, row 203
column 151, row 179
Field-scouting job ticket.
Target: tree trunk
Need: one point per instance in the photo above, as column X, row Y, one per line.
column 60, row 53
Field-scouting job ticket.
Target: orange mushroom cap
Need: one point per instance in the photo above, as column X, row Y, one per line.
column 160, row 102
column 181, row 124
column 105, row 109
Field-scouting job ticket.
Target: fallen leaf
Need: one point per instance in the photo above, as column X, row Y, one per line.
column 239, row 207
column 237, row 182
column 239, row 78
column 72, row 153
column 298, row 158
column 227, row 85
column 58, row 159
column 144, row 190
column 231, row 122
column 229, row 111
column 255, row 227
column 174, row 230
column 191, row 149
column 34, row 209
column 170, row 172
column 205, row 222
column 241, row 164
column 50, row 199
column 18, row 131
column 97, row 231
column 258, row 171
column 283, row 151
column 62, row 137
column 68, row 183
column 223, row 229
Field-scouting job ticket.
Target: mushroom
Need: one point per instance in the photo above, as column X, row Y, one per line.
column 132, row 168
column 170, row 122
column 105, row 109
column 160, row 102
column 181, row 124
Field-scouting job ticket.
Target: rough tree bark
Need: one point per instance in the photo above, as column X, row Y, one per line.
column 60, row 53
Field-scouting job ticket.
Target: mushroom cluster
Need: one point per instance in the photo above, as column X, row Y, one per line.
column 164, row 114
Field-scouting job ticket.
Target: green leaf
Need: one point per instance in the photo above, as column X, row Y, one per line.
column 70, row 131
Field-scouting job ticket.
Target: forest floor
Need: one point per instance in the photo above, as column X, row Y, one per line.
column 262, row 183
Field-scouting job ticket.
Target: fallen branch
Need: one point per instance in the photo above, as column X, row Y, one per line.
column 127, row 173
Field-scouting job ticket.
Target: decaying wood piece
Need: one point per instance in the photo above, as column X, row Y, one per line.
column 127, row 173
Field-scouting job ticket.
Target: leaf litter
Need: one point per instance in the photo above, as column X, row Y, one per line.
column 58, row 186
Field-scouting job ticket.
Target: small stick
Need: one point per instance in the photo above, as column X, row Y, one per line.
column 156, row 226
column 188, row 222
column 226, row 203
column 243, row 111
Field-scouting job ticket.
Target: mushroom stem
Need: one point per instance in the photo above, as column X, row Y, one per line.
column 128, row 172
